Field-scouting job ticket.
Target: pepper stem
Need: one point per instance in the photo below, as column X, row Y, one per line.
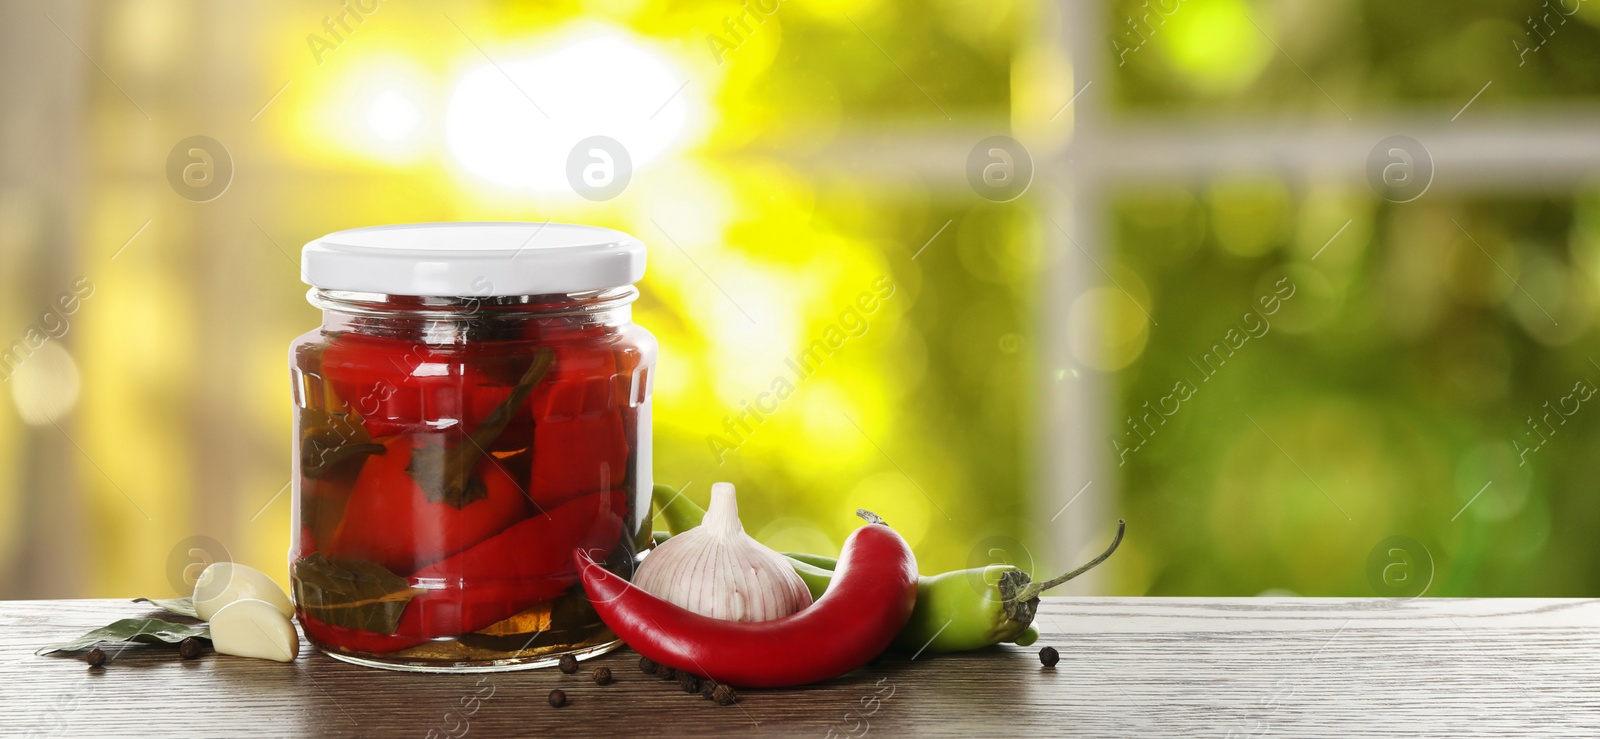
column 1032, row 590
column 869, row 516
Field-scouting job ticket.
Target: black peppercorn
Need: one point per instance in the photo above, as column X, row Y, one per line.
column 602, row 676
column 569, row 664
column 647, row 666
column 724, row 695
column 689, row 683
column 190, row 648
column 557, row 699
column 96, row 657
column 1049, row 656
column 708, row 688
column 666, row 673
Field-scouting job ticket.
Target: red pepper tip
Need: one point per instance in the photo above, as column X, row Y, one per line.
column 582, row 556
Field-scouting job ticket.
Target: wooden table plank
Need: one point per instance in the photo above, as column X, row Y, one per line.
column 1129, row 666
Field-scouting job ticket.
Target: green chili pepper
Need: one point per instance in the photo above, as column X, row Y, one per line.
column 950, row 616
column 816, row 578
column 815, row 560
column 680, row 513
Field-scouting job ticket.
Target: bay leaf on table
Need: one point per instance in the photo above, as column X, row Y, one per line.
column 179, row 606
column 143, row 630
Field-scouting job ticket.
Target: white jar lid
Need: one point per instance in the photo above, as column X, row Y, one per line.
column 473, row 259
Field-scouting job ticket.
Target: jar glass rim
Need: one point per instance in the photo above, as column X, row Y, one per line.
column 382, row 305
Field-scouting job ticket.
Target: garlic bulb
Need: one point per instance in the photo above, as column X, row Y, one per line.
column 717, row 570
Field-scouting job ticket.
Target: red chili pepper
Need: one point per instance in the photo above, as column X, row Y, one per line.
column 500, row 577
column 871, row 598
column 390, row 520
column 398, row 386
column 577, row 456
column 579, row 436
column 579, row 444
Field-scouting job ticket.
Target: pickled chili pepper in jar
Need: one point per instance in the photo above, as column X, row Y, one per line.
column 475, row 405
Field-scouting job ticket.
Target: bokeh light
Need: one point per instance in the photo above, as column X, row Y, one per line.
column 512, row 122
column 46, row 386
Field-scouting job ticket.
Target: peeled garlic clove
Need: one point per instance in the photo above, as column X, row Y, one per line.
column 718, row 571
column 225, row 582
column 254, row 628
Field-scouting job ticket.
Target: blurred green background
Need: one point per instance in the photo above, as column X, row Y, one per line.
column 784, row 162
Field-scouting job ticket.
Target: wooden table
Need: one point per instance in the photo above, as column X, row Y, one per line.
column 1129, row 667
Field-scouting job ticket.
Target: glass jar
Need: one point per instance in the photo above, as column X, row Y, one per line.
column 474, row 407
